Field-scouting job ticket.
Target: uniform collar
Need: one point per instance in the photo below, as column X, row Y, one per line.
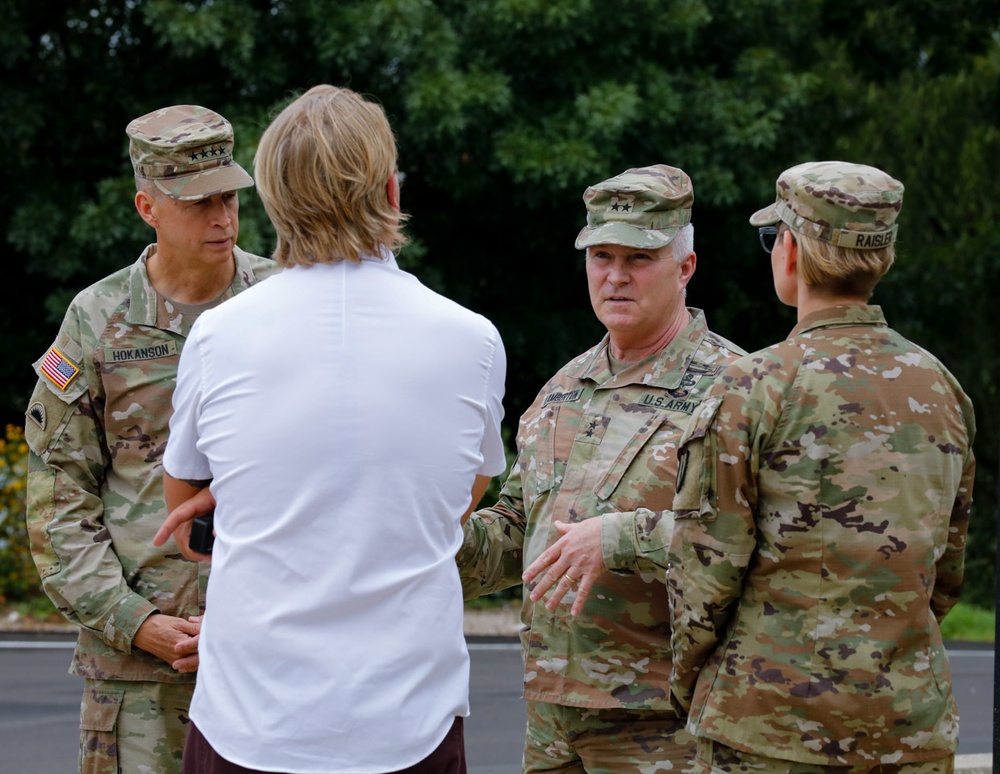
column 664, row 369
column 840, row 317
column 145, row 304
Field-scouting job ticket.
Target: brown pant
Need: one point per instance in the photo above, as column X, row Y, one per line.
column 448, row 758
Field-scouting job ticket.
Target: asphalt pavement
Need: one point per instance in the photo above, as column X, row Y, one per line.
column 39, row 704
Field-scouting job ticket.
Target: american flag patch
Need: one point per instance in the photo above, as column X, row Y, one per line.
column 58, row 369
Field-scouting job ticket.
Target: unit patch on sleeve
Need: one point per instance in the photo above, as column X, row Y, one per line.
column 37, row 413
column 58, row 369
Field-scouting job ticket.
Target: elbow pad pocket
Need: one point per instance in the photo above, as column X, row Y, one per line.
column 41, row 497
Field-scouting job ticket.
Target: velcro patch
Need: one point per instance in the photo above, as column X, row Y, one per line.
column 592, row 428
column 37, row 413
column 661, row 401
column 563, row 397
column 152, row 352
column 58, row 369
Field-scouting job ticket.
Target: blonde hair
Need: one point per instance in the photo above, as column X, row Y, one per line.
column 842, row 270
column 321, row 168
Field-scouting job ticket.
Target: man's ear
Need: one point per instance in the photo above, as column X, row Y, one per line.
column 145, row 204
column 688, row 265
column 392, row 190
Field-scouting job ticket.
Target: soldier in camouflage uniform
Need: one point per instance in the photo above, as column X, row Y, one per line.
column 596, row 451
column 97, row 426
column 821, row 514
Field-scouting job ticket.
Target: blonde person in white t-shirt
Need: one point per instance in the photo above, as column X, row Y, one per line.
column 345, row 420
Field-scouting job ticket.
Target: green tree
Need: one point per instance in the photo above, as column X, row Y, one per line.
column 940, row 290
column 505, row 111
column 18, row 579
column 914, row 88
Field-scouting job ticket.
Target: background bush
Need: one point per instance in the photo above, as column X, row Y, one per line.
column 18, row 579
column 505, row 110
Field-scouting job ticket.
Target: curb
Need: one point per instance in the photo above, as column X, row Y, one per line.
column 974, row 764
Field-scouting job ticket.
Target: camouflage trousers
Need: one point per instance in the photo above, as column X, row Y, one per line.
column 133, row 727
column 715, row 758
column 605, row 741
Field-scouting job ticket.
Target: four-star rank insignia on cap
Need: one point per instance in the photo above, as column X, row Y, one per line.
column 58, row 369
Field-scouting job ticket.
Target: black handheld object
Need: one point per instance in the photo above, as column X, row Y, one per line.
column 202, row 533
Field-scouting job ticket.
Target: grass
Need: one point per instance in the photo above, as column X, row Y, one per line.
column 966, row 623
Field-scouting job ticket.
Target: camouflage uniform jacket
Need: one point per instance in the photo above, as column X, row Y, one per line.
column 819, row 539
column 97, row 426
column 596, row 444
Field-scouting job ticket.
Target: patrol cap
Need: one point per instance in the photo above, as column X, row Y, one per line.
column 644, row 207
column 187, row 151
column 849, row 205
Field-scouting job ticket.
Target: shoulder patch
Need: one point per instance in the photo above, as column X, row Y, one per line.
column 58, row 369
column 36, row 411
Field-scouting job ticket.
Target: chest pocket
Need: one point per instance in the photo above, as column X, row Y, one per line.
column 536, row 442
column 137, row 382
column 655, row 440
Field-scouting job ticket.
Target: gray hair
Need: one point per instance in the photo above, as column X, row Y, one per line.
column 683, row 244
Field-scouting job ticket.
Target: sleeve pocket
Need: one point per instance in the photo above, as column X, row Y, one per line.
column 695, row 493
column 50, row 407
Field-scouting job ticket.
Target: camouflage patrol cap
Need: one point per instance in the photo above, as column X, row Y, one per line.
column 187, row 151
column 644, row 207
column 849, row 205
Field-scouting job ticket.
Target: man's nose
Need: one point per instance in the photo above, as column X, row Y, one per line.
column 220, row 214
column 618, row 272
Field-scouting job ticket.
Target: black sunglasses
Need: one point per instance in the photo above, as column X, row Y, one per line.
column 768, row 236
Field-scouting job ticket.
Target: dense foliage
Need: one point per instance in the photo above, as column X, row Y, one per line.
column 505, row 110
column 18, row 578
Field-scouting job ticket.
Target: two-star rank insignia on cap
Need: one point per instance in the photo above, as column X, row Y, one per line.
column 58, row 369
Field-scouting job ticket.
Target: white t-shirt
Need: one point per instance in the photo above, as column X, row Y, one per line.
column 342, row 412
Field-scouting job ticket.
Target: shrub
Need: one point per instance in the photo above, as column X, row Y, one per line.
column 18, row 578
